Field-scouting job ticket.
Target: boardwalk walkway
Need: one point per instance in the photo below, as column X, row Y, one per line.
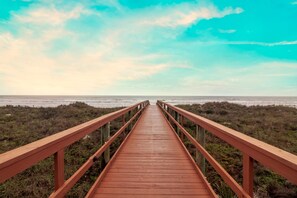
column 152, row 163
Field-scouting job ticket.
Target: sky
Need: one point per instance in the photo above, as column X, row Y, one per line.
column 152, row 47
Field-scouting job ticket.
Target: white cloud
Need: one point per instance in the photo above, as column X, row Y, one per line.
column 27, row 65
column 49, row 15
column 263, row 43
column 294, row 3
column 112, row 55
column 227, row 31
column 27, row 70
column 257, row 79
column 186, row 14
column 268, row 44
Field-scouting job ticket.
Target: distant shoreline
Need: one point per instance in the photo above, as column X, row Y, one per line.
column 120, row 101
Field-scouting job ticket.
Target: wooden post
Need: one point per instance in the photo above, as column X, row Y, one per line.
column 177, row 118
column 197, row 152
column 124, row 122
column 171, row 113
column 166, row 110
column 129, row 126
column 59, row 169
column 139, row 109
column 106, row 135
column 248, row 174
column 182, row 118
column 102, row 162
column 200, row 137
column 123, row 119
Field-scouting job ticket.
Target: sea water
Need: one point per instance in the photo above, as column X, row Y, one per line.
column 120, row 101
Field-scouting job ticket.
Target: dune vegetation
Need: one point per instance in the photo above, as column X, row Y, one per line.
column 22, row 125
column 275, row 125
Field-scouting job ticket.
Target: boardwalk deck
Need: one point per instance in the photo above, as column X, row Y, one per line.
column 152, row 163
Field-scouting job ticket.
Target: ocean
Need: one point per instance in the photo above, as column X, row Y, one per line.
column 120, row 101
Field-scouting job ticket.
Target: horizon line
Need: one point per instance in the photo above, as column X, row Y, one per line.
column 152, row 95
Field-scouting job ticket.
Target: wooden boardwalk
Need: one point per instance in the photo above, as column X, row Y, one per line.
column 152, row 163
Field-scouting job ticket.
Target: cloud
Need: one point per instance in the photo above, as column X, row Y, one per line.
column 186, row 14
column 262, row 78
column 267, row 44
column 263, row 43
column 294, row 3
column 71, row 73
column 49, row 15
column 74, row 49
column 33, row 63
column 227, row 31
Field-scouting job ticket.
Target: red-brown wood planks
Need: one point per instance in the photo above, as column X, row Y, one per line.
column 152, row 163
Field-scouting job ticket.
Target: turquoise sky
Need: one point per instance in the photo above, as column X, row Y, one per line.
column 109, row 47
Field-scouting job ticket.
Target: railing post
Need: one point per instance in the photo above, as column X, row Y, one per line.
column 248, row 174
column 106, row 135
column 59, row 169
column 171, row 113
column 129, row 126
column 166, row 109
column 176, row 117
column 200, row 137
column 123, row 119
column 182, row 124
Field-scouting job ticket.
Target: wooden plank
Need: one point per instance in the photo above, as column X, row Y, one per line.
column 168, row 179
column 152, row 175
column 152, row 162
column 160, row 166
column 150, row 185
column 147, row 196
column 149, row 170
column 154, row 191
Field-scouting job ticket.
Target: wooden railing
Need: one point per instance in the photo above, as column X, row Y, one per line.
column 280, row 161
column 17, row 160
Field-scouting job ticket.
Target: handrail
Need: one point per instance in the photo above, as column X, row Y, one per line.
column 107, row 167
column 280, row 161
column 19, row 159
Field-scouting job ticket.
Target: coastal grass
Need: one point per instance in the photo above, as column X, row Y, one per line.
column 275, row 125
column 22, row 125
